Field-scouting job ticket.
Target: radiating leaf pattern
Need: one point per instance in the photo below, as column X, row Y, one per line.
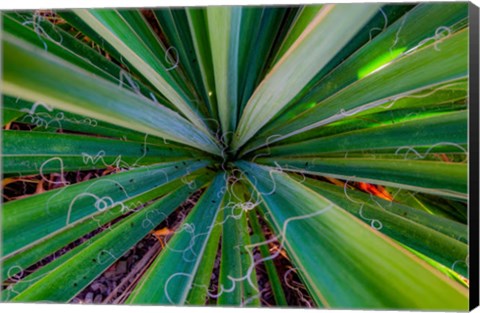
column 323, row 142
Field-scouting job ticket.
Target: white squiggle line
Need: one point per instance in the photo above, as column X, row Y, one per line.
column 225, row 148
column 345, row 191
column 101, row 203
column 60, row 160
column 374, row 223
column 192, row 184
column 124, row 75
column 378, row 203
column 165, row 288
column 94, row 159
column 43, row 119
column 397, row 34
column 36, row 119
column 282, row 234
column 424, row 155
column 17, row 278
column 277, row 169
column 34, row 107
column 385, row 19
column 53, row 196
column 466, row 261
column 245, row 205
column 37, row 19
column 190, row 229
column 99, row 223
column 250, row 299
column 105, row 252
column 423, row 95
column 267, row 141
column 107, row 180
column 147, row 222
column 436, row 38
column 217, row 132
column 144, row 150
column 167, row 58
column 297, row 290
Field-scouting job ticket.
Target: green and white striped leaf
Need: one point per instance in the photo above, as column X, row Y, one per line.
column 175, row 26
column 95, row 256
column 199, row 291
column 224, row 26
column 120, row 107
column 174, row 270
column 433, row 177
column 443, row 130
column 197, row 21
column 238, row 279
column 399, row 37
column 16, row 263
column 313, row 230
column 112, row 27
column 413, row 72
column 439, row 99
column 28, row 153
column 299, row 65
column 258, row 239
column 52, row 38
column 28, row 220
column 403, row 224
column 50, row 119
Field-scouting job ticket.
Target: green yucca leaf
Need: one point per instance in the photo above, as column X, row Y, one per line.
column 94, row 255
column 302, row 19
column 306, row 51
column 99, row 103
column 10, row 115
column 224, row 30
column 122, row 36
column 448, row 130
column 46, row 119
column 258, row 43
column 16, row 263
column 175, row 268
column 37, row 152
column 197, row 22
column 372, row 56
column 74, row 51
column 57, row 209
column 396, row 82
column 419, row 175
column 198, row 293
column 320, row 230
column 446, row 208
column 238, row 278
column 442, row 98
column 392, row 219
column 257, row 239
column 311, row 155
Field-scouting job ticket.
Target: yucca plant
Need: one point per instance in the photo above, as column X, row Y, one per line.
column 332, row 136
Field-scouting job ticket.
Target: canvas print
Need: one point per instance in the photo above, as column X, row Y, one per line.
column 260, row 156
